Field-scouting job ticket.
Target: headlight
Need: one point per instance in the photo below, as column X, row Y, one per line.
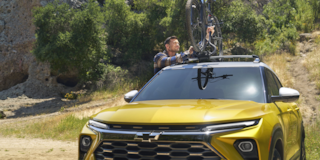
column 98, row 124
column 231, row 125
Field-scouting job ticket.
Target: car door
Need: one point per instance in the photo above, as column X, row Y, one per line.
column 285, row 111
column 294, row 125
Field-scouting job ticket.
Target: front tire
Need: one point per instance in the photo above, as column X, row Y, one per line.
column 276, row 147
column 302, row 146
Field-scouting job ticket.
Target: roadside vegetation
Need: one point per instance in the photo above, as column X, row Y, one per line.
column 62, row 127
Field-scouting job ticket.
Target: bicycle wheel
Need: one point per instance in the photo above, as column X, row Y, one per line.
column 195, row 24
column 211, row 20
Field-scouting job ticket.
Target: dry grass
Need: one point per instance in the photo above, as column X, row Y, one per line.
column 66, row 126
column 279, row 64
column 312, row 63
column 61, row 127
column 312, row 140
column 89, row 112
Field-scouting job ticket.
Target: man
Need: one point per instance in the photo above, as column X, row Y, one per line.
column 170, row 56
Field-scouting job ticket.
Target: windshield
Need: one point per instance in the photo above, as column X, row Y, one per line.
column 206, row 83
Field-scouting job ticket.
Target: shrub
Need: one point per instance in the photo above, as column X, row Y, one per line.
column 242, row 20
column 70, row 39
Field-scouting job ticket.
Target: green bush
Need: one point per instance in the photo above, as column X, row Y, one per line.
column 136, row 31
column 70, row 39
column 315, row 8
column 305, row 16
column 242, row 20
column 76, row 39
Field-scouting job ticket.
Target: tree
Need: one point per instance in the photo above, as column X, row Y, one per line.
column 315, row 8
column 70, row 39
column 242, row 20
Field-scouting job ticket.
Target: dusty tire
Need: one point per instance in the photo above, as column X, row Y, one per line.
column 302, row 146
column 276, row 147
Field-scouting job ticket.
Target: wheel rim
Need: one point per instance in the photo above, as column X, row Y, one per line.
column 276, row 155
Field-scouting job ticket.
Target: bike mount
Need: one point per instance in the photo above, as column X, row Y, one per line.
column 205, row 56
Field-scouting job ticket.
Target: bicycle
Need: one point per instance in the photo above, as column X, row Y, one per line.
column 199, row 18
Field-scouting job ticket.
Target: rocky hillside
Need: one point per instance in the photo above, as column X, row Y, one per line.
column 17, row 64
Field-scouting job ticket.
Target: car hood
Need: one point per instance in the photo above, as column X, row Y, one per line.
column 181, row 112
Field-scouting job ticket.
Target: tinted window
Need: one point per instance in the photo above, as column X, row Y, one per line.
column 223, row 83
column 277, row 81
column 271, row 84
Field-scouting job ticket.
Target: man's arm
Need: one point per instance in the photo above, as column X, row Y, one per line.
column 161, row 60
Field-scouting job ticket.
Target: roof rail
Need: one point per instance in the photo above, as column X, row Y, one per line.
column 220, row 58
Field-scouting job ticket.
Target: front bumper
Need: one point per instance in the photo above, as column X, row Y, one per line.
column 177, row 145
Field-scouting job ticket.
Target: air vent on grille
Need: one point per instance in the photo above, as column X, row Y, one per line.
column 146, row 127
column 125, row 150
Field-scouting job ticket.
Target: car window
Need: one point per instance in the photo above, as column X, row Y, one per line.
column 223, row 83
column 271, row 84
column 277, row 81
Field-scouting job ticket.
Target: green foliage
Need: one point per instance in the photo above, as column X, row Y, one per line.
column 129, row 31
column 115, row 77
column 279, row 21
column 312, row 140
column 315, row 8
column 70, row 39
column 305, row 16
column 112, row 77
column 242, row 20
column 136, row 31
column 279, row 12
column 72, row 95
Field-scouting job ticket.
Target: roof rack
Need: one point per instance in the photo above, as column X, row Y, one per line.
column 220, row 58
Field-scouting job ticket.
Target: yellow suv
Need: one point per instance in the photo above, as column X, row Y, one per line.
column 201, row 111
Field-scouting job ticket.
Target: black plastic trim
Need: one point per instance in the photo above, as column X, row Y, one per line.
column 284, row 98
column 252, row 155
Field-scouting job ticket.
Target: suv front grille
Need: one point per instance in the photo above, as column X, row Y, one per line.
column 132, row 150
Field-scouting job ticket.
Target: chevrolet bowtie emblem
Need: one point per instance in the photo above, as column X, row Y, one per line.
column 147, row 136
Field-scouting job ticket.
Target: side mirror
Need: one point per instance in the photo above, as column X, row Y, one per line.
column 128, row 96
column 286, row 95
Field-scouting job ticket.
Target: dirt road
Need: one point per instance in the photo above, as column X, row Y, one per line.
column 36, row 149
column 12, row 148
column 308, row 91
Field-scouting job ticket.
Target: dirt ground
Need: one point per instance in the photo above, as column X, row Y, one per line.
column 307, row 90
column 36, row 149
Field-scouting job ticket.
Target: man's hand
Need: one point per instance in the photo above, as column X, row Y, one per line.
column 209, row 29
column 190, row 50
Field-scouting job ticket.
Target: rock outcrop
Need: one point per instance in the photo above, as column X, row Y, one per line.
column 18, row 67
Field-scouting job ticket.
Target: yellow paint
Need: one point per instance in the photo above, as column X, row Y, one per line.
column 193, row 112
